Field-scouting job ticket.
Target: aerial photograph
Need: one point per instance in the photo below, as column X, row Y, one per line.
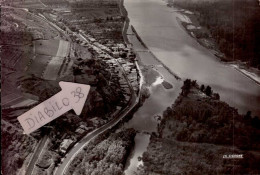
column 130, row 87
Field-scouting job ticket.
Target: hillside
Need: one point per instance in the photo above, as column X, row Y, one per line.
column 234, row 25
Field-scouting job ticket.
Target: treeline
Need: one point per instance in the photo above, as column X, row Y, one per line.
column 234, row 25
column 199, row 127
column 188, row 84
column 199, row 117
column 94, row 4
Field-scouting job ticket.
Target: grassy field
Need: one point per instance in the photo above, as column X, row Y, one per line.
column 46, row 47
column 39, row 64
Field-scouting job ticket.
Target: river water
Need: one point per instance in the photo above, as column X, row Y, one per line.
column 157, row 26
column 145, row 119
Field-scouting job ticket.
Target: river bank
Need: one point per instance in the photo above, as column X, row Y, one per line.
column 188, row 20
column 146, row 48
column 161, row 86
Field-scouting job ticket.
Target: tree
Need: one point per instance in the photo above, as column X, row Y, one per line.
column 20, row 162
column 208, row 91
column 186, row 87
column 248, row 115
column 217, row 96
column 77, row 71
column 202, row 87
column 194, row 83
column 256, row 122
column 123, row 55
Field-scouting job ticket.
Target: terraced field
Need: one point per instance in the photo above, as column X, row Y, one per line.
column 42, row 59
column 26, row 3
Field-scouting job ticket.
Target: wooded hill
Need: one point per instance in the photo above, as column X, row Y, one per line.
column 234, row 24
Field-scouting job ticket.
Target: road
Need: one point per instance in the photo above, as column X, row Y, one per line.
column 36, row 156
column 81, row 144
column 85, row 140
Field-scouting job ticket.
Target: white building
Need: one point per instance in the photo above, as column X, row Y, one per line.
column 65, row 145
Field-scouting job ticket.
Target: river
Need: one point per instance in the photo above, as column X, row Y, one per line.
column 145, row 119
column 157, row 26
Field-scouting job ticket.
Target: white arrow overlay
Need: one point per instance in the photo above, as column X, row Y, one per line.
column 72, row 96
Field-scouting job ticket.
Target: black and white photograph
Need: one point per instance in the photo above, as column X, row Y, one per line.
column 130, row 87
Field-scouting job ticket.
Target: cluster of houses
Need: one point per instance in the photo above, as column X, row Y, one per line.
column 114, row 54
column 121, row 60
column 116, row 73
column 131, row 72
column 69, row 141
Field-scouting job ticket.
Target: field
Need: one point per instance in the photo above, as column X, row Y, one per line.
column 46, row 47
column 49, row 57
column 25, row 3
column 39, row 64
column 27, row 47
column 21, row 54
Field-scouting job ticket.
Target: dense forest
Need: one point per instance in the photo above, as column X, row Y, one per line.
column 106, row 155
column 234, row 24
column 209, row 120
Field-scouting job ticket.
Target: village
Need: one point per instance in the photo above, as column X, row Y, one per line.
column 121, row 63
column 120, row 60
column 89, row 39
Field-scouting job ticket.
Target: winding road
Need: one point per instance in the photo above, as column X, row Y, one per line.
column 36, row 154
column 81, row 144
column 134, row 100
